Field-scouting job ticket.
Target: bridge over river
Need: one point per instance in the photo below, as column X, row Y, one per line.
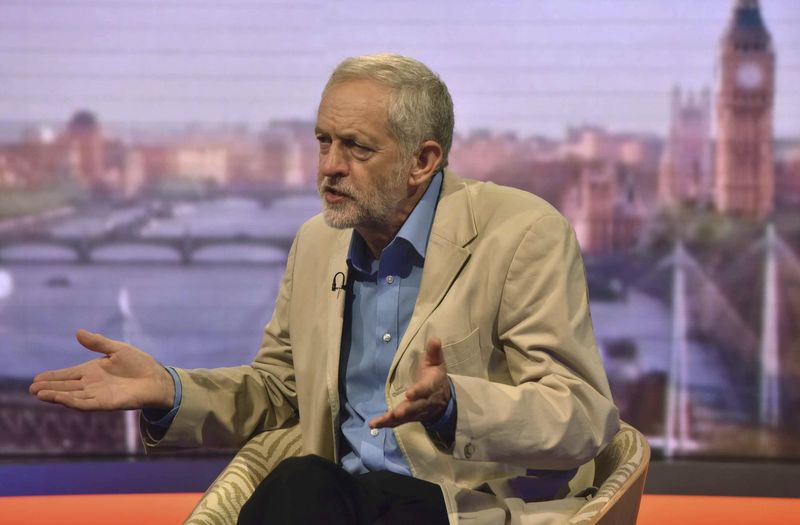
column 183, row 228
column 186, row 245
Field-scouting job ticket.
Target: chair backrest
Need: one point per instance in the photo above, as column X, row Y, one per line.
column 620, row 473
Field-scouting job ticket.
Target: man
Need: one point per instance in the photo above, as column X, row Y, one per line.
column 428, row 331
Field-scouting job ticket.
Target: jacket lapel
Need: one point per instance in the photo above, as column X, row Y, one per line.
column 335, row 309
column 452, row 230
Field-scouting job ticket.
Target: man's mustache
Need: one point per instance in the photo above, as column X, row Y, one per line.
column 336, row 189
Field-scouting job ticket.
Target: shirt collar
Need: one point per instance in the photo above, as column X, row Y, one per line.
column 415, row 230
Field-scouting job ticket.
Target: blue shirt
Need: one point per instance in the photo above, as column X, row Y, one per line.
column 381, row 295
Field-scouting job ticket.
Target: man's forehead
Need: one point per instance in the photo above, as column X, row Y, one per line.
column 356, row 104
column 356, row 94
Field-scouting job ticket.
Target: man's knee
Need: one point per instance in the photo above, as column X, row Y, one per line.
column 306, row 473
column 302, row 466
column 284, row 494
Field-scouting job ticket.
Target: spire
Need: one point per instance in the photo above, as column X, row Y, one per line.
column 746, row 27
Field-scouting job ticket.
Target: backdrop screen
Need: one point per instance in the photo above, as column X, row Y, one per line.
column 157, row 158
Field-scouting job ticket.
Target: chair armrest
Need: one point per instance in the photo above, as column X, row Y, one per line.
column 620, row 473
column 223, row 500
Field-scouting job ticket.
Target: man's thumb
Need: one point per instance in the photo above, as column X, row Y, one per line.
column 95, row 342
column 433, row 352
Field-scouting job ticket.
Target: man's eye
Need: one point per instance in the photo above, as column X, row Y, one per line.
column 360, row 152
column 324, row 143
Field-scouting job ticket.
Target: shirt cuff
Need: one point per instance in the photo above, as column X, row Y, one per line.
column 162, row 418
column 444, row 425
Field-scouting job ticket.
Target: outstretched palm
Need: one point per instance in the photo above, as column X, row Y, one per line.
column 124, row 378
column 427, row 399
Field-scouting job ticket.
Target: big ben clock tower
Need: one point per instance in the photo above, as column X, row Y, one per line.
column 744, row 182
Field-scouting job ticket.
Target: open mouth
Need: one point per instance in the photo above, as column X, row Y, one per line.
column 334, row 195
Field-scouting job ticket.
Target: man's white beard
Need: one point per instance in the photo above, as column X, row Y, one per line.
column 374, row 208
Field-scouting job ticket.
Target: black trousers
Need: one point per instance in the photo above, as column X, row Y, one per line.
column 310, row 489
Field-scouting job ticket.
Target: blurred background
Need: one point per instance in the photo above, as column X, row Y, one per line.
column 157, row 157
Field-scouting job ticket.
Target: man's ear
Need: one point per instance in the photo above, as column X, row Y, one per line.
column 428, row 158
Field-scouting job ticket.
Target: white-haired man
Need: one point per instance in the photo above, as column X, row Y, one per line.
column 431, row 336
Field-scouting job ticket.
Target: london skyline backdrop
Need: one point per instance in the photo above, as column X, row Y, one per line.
column 529, row 67
column 150, row 240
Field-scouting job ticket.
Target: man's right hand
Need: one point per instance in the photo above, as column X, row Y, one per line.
column 125, row 378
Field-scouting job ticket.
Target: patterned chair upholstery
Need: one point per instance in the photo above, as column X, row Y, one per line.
column 222, row 501
column 620, row 472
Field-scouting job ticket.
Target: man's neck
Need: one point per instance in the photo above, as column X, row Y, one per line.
column 379, row 236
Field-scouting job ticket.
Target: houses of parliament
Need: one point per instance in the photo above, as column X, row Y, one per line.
column 736, row 171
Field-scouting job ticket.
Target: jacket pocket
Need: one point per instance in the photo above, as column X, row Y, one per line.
column 463, row 357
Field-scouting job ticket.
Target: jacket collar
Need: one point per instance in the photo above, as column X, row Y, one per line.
column 454, row 221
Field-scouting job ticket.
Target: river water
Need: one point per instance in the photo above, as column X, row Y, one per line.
column 207, row 314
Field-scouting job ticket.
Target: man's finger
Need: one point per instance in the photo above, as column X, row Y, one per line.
column 82, row 404
column 63, row 374
column 405, row 412
column 391, row 418
column 97, row 342
column 382, row 421
column 388, row 420
column 67, row 399
column 433, row 352
column 69, row 385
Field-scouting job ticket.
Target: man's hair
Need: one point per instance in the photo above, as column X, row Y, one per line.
column 420, row 107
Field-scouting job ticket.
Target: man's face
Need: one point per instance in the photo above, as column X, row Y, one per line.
column 362, row 178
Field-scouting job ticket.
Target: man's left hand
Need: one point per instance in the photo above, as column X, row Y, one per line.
column 427, row 399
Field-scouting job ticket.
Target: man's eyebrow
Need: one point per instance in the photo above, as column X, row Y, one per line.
column 354, row 135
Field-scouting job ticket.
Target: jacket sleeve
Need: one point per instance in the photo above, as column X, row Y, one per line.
column 558, row 412
column 224, row 407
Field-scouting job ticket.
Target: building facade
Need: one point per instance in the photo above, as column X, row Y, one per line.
column 744, row 165
column 685, row 173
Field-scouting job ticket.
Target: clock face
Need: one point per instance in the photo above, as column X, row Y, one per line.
column 749, row 75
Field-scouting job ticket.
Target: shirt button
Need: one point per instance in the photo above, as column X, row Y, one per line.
column 374, row 432
column 469, row 449
column 387, row 337
column 390, row 279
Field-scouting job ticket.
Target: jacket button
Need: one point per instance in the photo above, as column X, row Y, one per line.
column 469, row 449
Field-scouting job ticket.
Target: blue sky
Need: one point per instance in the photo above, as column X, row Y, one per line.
column 526, row 66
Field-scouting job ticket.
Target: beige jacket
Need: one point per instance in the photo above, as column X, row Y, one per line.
column 504, row 288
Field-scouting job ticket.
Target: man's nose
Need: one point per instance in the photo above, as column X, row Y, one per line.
column 332, row 163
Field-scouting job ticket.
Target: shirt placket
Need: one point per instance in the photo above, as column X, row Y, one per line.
column 386, row 334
